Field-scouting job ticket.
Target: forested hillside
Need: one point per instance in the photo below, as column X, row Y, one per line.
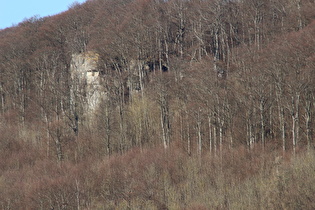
column 206, row 104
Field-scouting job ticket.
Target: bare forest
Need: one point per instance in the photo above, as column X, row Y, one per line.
column 199, row 104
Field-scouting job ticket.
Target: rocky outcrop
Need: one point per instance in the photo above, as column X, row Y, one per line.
column 86, row 86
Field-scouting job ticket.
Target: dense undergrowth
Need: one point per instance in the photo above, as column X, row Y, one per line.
column 155, row 178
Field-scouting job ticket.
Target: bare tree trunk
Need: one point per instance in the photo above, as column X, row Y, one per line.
column 121, row 127
column 221, row 141
column 282, row 127
column 77, row 194
column 295, row 120
column 160, row 55
column 141, row 72
column 2, row 95
column 262, row 121
column 293, row 133
column 210, row 134
column 122, row 143
column 216, row 53
column 47, row 135
column 108, row 128
column 58, row 145
column 257, row 29
column 281, row 115
column 247, row 133
column 199, row 133
column 165, row 121
column 58, row 132
column 215, row 139
column 159, row 44
column 181, row 127
column 250, row 135
column 300, row 22
column 188, row 135
column 308, row 115
column 181, row 29
column 167, row 52
column 22, row 102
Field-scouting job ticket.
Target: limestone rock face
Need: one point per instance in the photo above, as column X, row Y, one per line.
column 86, row 79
